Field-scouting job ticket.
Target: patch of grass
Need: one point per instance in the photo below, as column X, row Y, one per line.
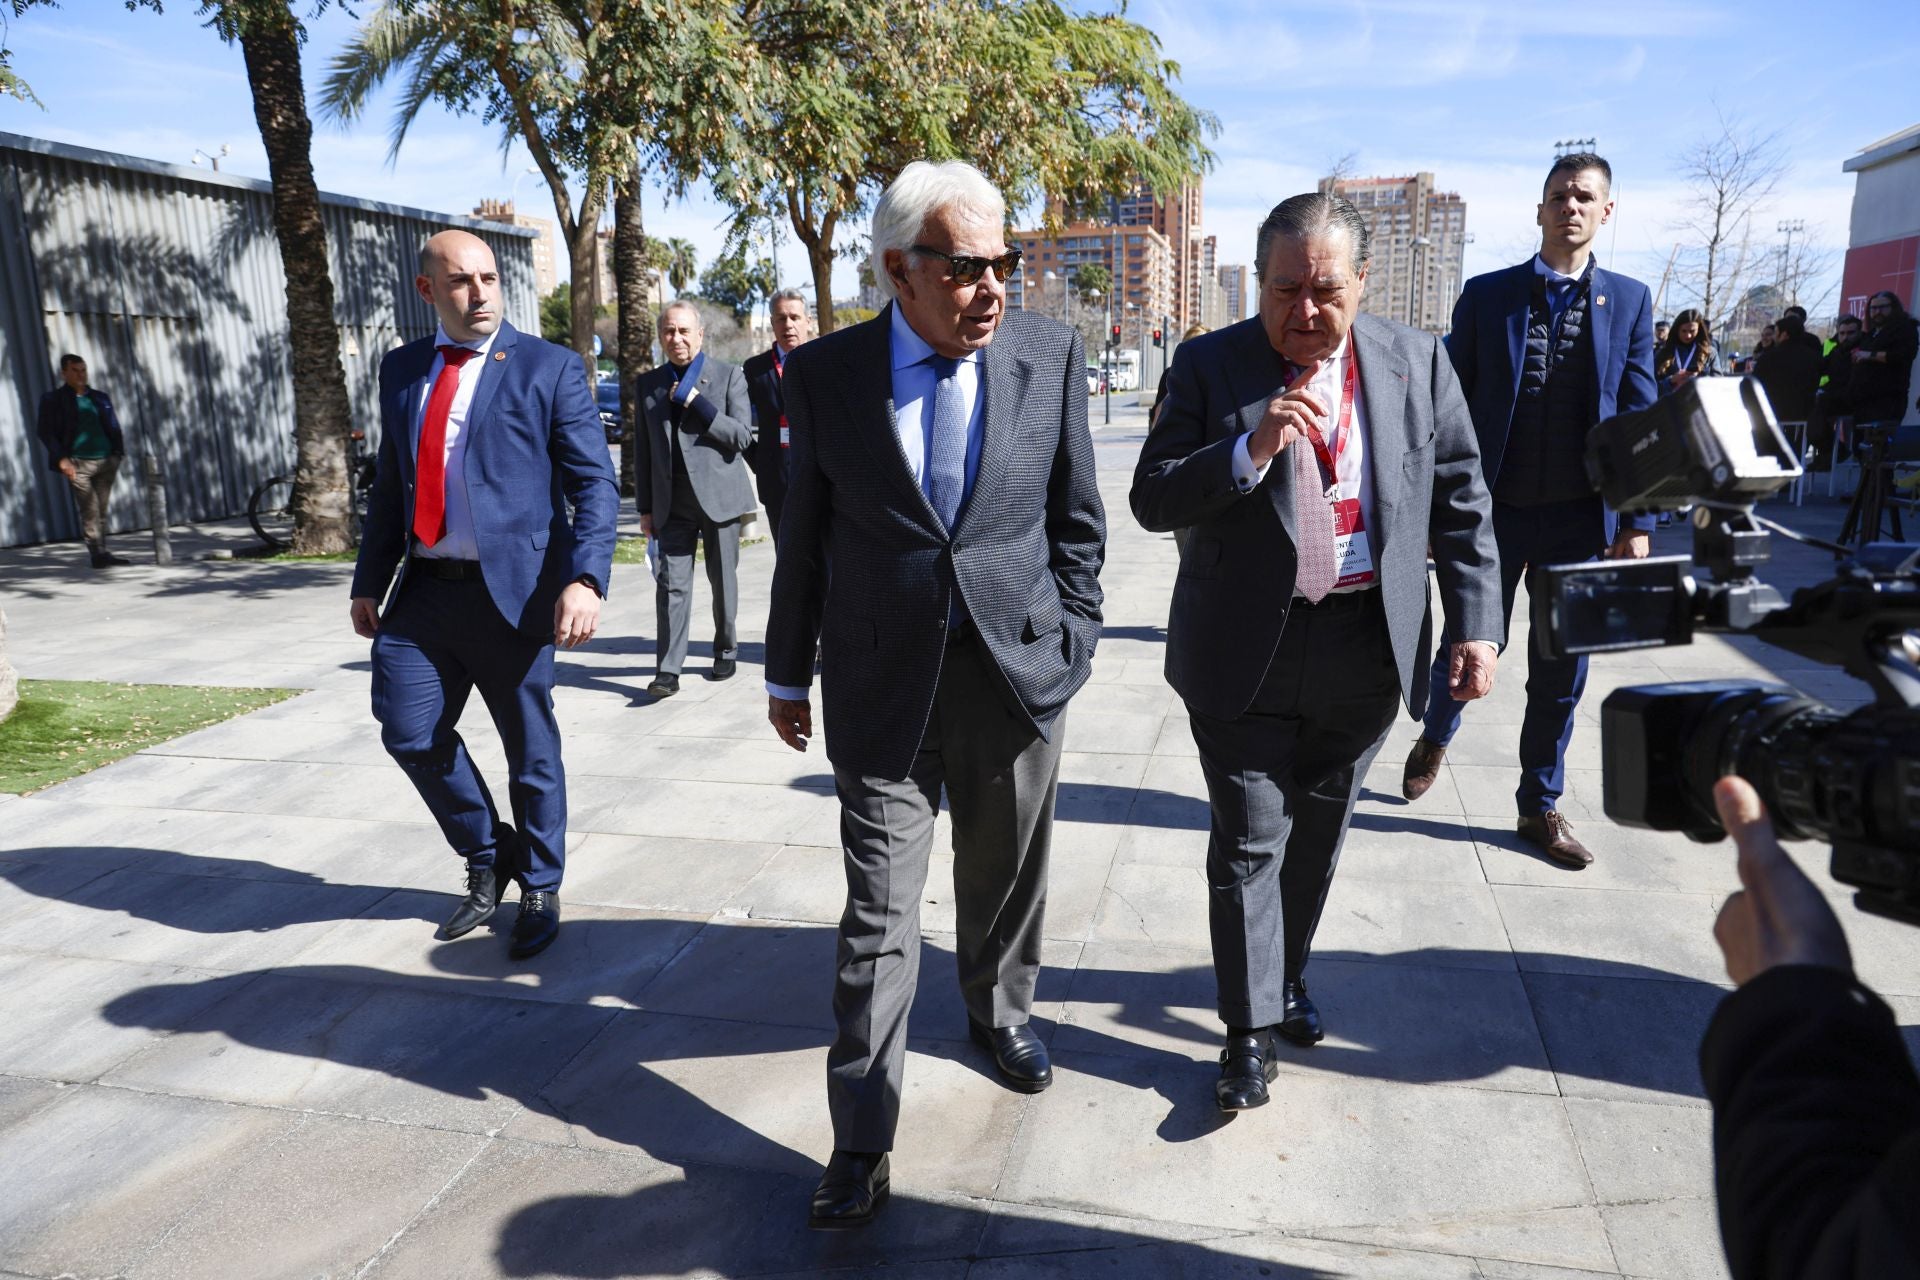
column 330, row 557
column 630, row 551
column 64, row 728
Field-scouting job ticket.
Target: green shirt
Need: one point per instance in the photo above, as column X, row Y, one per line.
column 90, row 440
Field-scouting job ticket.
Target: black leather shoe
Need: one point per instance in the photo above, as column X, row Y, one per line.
column 1018, row 1053
column 485, row 885
column 1299, row 1020
column 723, row 668
column 664, row 685
column 537, row 926
column 1246, row 1068
column 851, row 1192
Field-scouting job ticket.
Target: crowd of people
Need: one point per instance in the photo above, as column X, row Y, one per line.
column 940, row 537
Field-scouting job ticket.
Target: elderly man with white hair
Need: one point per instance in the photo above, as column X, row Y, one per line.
column 941, row 544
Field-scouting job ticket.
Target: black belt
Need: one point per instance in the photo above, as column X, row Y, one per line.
column 961, row 632
column 1339, row 601
column 452, row 570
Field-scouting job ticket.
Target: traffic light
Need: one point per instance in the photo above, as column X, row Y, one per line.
column 1115, row 334
column 1158, row 339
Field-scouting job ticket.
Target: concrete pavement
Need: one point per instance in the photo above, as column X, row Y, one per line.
column 235, row 1050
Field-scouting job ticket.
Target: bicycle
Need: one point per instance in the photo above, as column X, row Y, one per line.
column 270, row 508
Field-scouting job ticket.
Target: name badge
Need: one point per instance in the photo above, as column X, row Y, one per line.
column 1352, row 555
column 785, row 435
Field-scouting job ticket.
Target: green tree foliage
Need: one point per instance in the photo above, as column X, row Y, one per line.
column 1093, row 281
column 679, row 260
column 1045, row 101
column 738, row 281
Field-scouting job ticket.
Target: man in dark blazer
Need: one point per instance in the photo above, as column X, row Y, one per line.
column 81, row 434
column 942, row 544
column 692, row 485
column 488, row 437
column 772, row 437
column 1544, row 351
column 1316, row 454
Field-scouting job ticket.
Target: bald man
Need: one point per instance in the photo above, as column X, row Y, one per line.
column 488, row 437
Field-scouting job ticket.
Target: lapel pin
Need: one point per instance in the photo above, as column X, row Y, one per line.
column 1600, row 301
column 501, row 355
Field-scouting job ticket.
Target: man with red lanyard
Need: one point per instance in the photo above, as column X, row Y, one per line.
column 769, row 455
column 1315, row 453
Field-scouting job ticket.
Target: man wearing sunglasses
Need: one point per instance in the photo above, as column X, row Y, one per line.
column 941, row 542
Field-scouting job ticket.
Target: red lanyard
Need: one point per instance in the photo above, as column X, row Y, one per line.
column 1341, row 429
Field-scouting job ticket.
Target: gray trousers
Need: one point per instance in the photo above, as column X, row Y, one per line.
column 1000, row 779
column 92, row 485
column 685, row 528
column 1282, row 779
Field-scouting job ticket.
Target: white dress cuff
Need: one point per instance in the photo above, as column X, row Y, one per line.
column 1245, row 475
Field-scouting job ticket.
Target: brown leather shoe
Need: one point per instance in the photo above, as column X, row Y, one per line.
column 1423, row 768
column 1554, row 834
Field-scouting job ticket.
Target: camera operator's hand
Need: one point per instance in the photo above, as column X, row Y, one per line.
column 1630, row 544
column 1780, row 917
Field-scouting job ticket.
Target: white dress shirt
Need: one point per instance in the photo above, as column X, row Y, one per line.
column 459, row 542
column 1351, row 465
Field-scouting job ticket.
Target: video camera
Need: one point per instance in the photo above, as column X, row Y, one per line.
column 1714, row 449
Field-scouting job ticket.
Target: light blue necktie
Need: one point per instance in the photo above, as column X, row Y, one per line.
column 947, row 451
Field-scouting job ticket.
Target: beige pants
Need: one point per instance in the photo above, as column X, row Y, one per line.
column 92, row 482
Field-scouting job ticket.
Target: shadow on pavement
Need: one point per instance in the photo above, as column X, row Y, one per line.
column 734, row 990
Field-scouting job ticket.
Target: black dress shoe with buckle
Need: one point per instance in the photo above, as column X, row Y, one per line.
column 723, row 668
column 537, row 926
column 1246, row 1069
column 851, row 1192
column 485, row 886
column 1017, row 1052
column 1299, row 1020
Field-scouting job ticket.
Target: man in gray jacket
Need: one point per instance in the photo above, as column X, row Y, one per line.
column 1316, row 454
column 692, row 485
column 942, row 542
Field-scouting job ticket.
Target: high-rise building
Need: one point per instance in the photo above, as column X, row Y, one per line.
column 1233, row 288
column 1419, row 247
column 544, row 275
column 1176, row 217
column 1138, row 260
column 656, row 296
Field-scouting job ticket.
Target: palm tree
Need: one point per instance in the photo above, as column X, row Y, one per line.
column 520, row 65
column 269, row 36
column 682, row 263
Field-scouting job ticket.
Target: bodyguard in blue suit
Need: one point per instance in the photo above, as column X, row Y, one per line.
column 1544, row 351
column 488, row 437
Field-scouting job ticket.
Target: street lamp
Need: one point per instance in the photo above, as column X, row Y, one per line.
column 1789, row 228
column 1106, row 365
column 513, row 201
column 1413, row 278
column 212, row 157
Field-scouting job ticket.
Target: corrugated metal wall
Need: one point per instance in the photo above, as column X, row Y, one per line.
column 168, row 281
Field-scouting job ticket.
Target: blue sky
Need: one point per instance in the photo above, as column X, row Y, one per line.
column 1477, row 93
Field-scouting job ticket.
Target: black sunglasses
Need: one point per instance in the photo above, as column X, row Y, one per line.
column 963, row 269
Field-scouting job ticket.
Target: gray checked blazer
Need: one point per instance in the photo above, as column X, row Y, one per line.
column 1235, row 584
column 866, row 569
column 713, row 448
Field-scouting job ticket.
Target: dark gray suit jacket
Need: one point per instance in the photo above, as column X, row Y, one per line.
column 1236, row 579
column 713, row 439
column 866, row 568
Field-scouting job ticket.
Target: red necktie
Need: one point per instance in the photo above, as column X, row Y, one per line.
column 430, row 493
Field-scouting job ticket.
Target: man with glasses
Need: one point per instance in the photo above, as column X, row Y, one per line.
column 941, row 543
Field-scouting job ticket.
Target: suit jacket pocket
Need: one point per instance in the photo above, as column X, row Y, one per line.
column 1419, row 458
column 541, row 537
column 1044, row 618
